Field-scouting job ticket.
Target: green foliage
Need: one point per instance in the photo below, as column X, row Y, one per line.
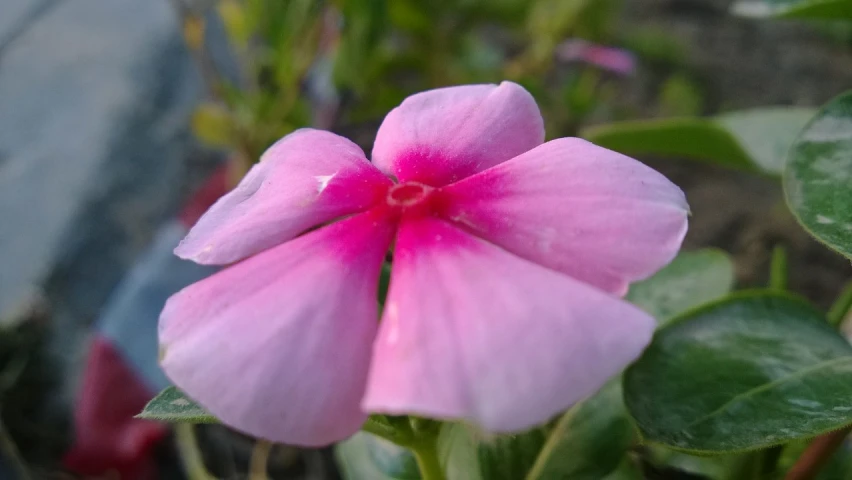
column 172, row 405
column 752, row 140
column 818, row 177
column 467, row 453
column 365, row 456
column 589, row 442
column 837, row 467
column 805, row 9
column 692, row 279
column 751, row 371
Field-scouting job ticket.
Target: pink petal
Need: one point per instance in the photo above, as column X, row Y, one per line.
column 471, row 331
column 616, row 60
column 583, row 210
column 440, row 136
column 278, row 346
column 307, row 178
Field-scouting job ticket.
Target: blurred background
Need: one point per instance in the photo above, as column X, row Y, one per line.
column 122, row 120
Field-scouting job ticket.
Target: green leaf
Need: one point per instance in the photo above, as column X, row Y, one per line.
column 818, row 177
column 367, row 457
column 627, row 470
column 469, row 454
column 692, row 279
column 752, row 140
column 753, row 370
column 172, row 405
column 811, row 9
column 589, row 442
column 716, row 467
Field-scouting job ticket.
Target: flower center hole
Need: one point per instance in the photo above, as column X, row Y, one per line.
column 407, row 194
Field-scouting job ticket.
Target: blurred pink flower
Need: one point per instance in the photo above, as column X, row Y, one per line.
column 509, row 258
column 615, row 60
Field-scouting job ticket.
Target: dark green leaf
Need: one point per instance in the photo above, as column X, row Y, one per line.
column 172, row 405
column 752, row 140
column 367, row 457
column 813, row 9
column 818, row 177
column 692, row 279
column 750, row 371
column 589, row 442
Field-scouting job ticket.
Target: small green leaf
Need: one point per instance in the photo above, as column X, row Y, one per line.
column 366, row 456
column 468, row 454
column 589, row 442
column 818, row 177
column 810, row 9
column 750, row 371
column 172, row 405
column 692, row 279
column 752, row 140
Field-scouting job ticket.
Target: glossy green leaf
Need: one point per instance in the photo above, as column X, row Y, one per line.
column 366, row 456
column 172, row 405
column 753, row 140
column 818, row 177
column 589, row 442
column 692, row 279
column 750, row 371
column 809, row 9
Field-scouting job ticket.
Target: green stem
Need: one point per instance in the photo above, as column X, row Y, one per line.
column 552, row 443
column 778, row 269
column 841, row 306
column 190, row 454
column 426, row 454
column 259, row 460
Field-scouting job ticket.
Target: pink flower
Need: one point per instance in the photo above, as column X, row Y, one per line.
column 509, row 256
column 616, row 60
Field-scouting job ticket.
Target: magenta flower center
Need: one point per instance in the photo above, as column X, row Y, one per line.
column 408, row 194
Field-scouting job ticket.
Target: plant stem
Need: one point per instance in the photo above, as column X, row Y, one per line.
column 778, row 269
column 190, row 454
column 259, row 460
column 841, row 306
column 426, row 454
column 817, row 454
column 553, row 439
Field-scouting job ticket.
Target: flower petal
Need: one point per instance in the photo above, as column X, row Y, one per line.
column 583, row 210
column 278, row 346
column 471, row 331
column 307, row 178
column 440, row 136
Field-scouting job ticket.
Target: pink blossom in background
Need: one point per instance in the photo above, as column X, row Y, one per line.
column 615, row 60
column 509, row 259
